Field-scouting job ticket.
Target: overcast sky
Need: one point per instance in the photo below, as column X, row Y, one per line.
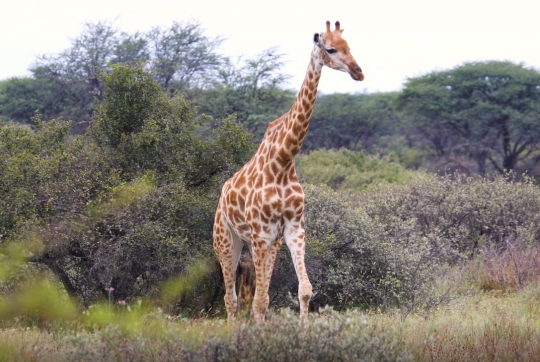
column 390, row 39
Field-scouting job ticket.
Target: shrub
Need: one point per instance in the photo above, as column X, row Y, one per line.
column 136, row 247
column 149, row 131
column 507, row 269
column 463, row 213
column 82, row 201
column 349, row 170
column 353, row 261
column 44, row 175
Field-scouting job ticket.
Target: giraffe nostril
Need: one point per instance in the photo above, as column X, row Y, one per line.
column 358, row 69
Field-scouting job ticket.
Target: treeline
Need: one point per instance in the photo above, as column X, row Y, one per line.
column 182, row 60
column 477, row 118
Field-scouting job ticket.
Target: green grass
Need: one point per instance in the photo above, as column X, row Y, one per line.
column 480, row 327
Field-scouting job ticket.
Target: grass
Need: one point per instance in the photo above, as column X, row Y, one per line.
column 485, row 326
column 493, row 316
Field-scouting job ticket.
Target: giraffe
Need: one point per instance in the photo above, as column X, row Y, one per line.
column 263, row 203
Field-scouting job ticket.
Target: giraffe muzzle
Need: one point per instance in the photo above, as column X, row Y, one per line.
column 356, row 73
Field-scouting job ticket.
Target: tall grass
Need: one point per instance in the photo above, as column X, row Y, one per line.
column 481, row 324
column 483, row 327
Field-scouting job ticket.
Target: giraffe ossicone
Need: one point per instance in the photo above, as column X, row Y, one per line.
column 262, row 205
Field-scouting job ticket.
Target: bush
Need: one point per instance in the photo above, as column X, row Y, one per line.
column 127, row 205
column 154, row 235
column 44, row 175
column 149, row 131
column 353, row 261
column 349, row 170
column 461, row 213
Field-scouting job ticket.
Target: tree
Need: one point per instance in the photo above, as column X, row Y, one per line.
column 72, row 78
column 354, row 121
column 487, row 111
column 20, row 98
column 127, row 204
column 183, row 54
column 250, row 89
column 74, row 73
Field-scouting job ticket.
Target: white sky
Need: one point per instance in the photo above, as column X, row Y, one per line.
column 390, row 39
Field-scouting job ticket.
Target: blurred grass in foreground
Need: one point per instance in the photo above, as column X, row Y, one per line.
column 482, row 327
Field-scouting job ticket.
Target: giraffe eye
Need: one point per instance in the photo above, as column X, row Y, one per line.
column 330, row 50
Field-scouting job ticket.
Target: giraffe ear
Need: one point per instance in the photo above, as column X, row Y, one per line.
column 317, row 39
column 341, row 30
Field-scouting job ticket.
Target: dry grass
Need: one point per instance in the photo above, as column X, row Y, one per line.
column 482, row 327
column 496, row 318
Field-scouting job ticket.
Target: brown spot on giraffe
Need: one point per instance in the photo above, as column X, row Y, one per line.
column 263, row 203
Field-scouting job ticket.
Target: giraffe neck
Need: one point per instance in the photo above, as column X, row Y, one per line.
column 297, row 122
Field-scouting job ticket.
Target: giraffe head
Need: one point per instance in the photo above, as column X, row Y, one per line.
column 335, row 53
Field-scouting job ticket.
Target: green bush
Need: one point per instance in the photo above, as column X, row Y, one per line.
column 149, row 131
column 387, row 246
column 354, row 261
column 83, row 200
column 135, row 247
column 349, row 170
column 44, row 175
column 463, row 213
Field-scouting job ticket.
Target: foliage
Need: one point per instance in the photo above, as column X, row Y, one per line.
column 127, row 206
column 464, row 213
column 352, row 261
column 488, row 111
column 21, row 97
column 183, row 55
column 346, row 337
column 353, row 121
column 69, row 81
column 73, row 75
column 250, row 89
column 153, row 132
column 389, row 249
column 349, row 170
column 131, row 97
column 40, row 171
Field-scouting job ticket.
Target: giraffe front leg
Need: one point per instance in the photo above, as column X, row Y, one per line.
column 295, row 239
column 261, row 255
column 228, row 249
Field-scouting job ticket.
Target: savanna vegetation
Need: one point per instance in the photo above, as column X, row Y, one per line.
column 422, row 209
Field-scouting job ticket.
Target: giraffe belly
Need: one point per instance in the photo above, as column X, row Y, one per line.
column 269, row 231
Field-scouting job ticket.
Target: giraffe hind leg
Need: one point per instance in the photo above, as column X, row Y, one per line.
column 264, row 256
column 228, row 248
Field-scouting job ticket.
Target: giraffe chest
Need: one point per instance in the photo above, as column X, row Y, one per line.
column 262, row 198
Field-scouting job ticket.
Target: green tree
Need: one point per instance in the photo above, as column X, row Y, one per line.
column 183, row 55
column 487, row 111
column 74, row 73
column 21, row 97
column 129, row 203
column 250, row 89
column 354, row 121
